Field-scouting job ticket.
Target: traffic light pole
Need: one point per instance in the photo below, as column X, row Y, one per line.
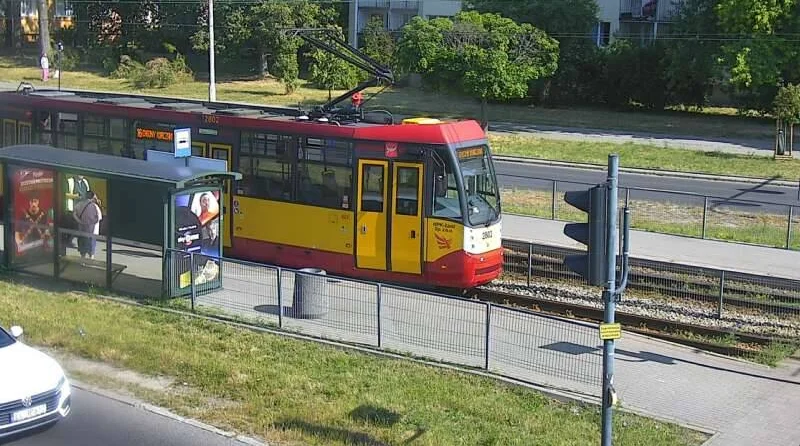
column 612, row 293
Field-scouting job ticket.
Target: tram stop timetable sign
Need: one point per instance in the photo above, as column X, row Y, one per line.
column 183, row 142
column 610, row 331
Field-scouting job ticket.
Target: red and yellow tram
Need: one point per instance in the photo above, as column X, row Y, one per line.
column 415, row 202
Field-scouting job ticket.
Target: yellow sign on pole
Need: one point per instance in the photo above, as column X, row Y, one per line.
column 610, row 331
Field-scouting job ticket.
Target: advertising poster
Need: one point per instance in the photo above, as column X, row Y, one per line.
column 197, row 220
column 33, row 212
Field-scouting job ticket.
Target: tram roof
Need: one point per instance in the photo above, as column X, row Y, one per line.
column 95, row 164
column 283, row 119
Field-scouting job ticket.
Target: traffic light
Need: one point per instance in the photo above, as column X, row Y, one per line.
column 592, row 266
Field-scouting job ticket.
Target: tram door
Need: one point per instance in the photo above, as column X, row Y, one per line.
column 223, row 152
column 389, row 222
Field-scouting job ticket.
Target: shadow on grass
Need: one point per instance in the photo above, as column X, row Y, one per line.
column 329, row 433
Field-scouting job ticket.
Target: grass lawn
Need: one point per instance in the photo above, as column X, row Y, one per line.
column 646, row 156
column 411, row 101
column 291, row 391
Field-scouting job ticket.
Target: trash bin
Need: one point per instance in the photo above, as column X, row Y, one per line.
column 310, row 294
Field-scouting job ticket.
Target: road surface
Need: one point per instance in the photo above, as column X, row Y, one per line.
column 524, row 176
column 97, row 420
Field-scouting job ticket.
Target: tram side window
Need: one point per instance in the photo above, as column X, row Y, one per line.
column 9, row 133
column 68, row 131
column 94, row 134
column 44, row 125
column 446, row 201
column 266, row 166
column 324, row 173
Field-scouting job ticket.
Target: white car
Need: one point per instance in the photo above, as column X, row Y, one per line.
column 34, row 391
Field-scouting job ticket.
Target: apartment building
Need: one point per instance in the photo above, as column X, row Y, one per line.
column 396, row 13
column 19, row 20
column 641, row 19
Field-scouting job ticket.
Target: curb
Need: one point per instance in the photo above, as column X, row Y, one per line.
column 640, row 171
column 138, row 404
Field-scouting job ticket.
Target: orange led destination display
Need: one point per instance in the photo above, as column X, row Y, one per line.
column 160, row 135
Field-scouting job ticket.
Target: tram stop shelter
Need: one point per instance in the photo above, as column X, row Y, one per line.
column 162, row 219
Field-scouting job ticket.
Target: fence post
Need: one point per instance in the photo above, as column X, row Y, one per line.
column 191, row 277
column 280, row 298
column 721, row 293
column 488, row 333
column 530, row 263
column 553, row 202
column 705, row 207
column 789, row 228
column 379, row 298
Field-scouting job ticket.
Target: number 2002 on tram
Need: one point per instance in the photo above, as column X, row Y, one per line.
column 415, row 202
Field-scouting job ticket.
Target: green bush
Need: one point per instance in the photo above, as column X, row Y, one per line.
column 160, row 73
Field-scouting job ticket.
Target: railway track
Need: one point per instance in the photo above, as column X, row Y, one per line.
column 655, row 327
column 771, row 295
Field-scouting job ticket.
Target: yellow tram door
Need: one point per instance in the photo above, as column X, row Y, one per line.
column 371, row 220
column 406, row 249
column 223, row 152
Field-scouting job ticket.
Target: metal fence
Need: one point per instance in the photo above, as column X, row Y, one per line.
column 742, row 303
column 663, row 211
column 506, row 341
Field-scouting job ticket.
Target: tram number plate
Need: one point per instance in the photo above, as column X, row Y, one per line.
column 30, row 412
column 486, row 234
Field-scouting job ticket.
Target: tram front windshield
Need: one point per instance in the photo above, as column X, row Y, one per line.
column 481, row 194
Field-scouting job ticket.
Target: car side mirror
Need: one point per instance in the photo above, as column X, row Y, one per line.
column 16, row 331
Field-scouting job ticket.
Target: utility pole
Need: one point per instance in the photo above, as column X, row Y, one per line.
column 598, row 266
column 212, row 89
column 609, row 330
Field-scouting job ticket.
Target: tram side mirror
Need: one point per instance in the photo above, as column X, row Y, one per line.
column 440, row 184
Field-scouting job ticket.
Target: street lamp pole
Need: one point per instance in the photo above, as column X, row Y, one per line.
column 60, row 46
column 212, row 89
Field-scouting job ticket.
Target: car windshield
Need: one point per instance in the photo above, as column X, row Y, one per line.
column 483, row 199
column 5, row 338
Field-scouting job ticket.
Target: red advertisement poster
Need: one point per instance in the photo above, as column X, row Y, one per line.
column 33, row 211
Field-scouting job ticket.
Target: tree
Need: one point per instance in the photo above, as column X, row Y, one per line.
column 258, row 31
column 765, row 52
column 329, row 71
column 570, row 22
column 44, row 30
column 485, row 56
column 378, row 43
column 786, row 108
column 692, row 61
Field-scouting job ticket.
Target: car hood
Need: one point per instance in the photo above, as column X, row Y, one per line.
column 25, row 371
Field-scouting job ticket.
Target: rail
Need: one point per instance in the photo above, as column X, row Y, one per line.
column 743, row 304
column 687, row 214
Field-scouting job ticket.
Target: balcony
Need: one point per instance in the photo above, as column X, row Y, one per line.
column 382, row 4
column 398, row 5
column 409, row 5
column 649, row 10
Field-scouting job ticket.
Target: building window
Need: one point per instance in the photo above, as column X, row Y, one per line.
column 28, row 8
column 64, row 9
column 324, row 173
column 266, row 165
column 601, row 34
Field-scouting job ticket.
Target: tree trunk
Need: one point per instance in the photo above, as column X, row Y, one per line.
column 44, row 31
column 263, row 65
column 15, row 22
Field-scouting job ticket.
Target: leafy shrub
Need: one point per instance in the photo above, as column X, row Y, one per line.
column 159, row 72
